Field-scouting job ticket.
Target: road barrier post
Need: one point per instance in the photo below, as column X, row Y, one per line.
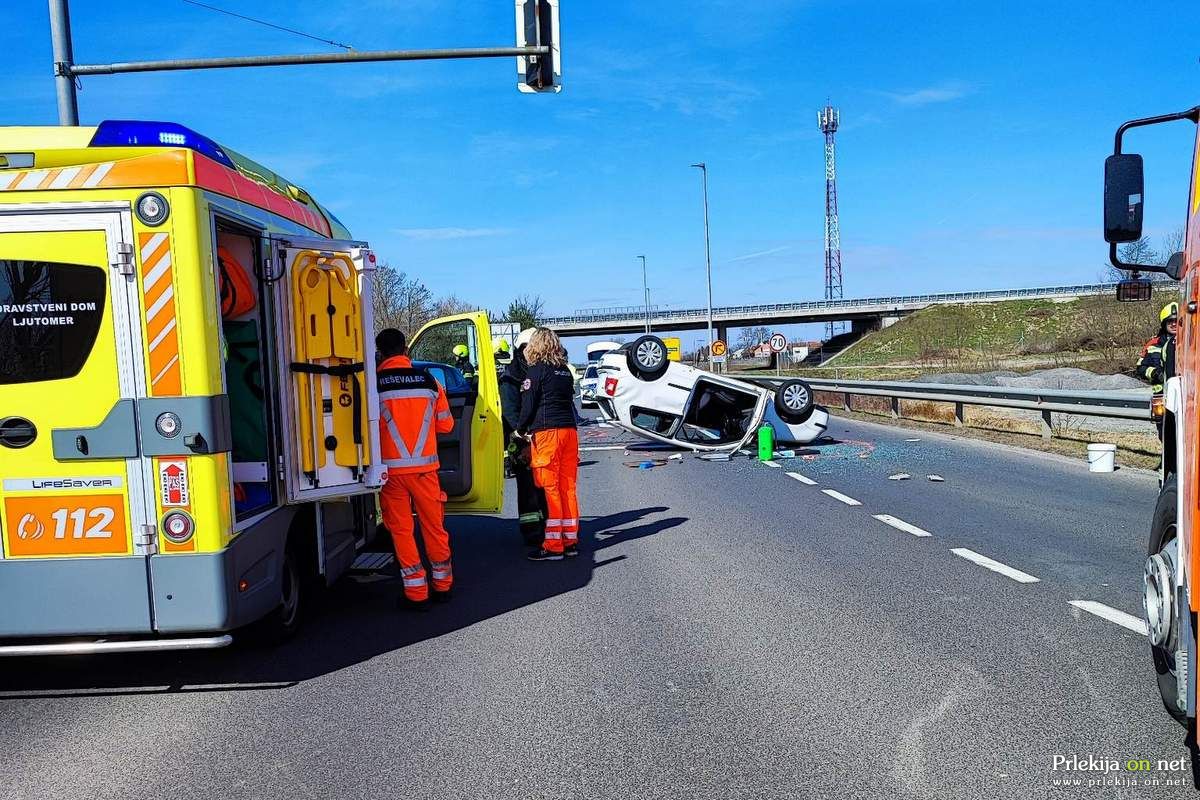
column 895, row 408
column 1047, row 428
column 960, row 419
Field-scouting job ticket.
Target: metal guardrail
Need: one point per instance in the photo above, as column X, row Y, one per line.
column 1120, row 405
column 635, row 314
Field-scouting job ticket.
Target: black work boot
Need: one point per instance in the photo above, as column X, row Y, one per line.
column 405, row 604
column 542, row 554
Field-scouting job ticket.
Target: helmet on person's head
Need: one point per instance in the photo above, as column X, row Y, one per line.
column 1169, row 313
column 460, row 351
column 524, row 336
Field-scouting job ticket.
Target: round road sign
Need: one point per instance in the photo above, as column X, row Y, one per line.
column 778, row 342
column 718, row 347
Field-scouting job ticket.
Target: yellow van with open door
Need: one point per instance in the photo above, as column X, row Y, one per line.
column 472, row 455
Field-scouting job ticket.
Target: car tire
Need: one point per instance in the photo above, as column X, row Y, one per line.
column 647, row 358
column 794, row 401
column 1163, row 529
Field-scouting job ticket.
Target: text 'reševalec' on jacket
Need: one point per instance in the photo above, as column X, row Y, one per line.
column 413, row 410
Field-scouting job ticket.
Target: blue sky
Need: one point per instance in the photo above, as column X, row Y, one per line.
column 970, row 154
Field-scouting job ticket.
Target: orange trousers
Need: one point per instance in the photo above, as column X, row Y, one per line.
column 402, row 493
column 554, row 458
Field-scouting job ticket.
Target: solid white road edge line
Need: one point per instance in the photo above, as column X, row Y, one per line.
column 850, row 501
column 901, row 525
column 994, row 566
column 604, row 447
column 803, row 479
column 1111, row 614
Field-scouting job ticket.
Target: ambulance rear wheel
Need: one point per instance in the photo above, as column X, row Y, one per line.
column 284, row 621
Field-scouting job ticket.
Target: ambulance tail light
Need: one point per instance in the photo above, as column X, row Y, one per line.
column 178, row 526
column 133, row 133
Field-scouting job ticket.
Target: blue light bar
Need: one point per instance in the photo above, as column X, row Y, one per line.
column 134, row 133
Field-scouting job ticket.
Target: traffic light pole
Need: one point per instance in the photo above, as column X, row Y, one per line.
column 66, row 72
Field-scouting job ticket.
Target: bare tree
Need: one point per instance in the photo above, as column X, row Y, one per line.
column 450, row 305
column 400, row 301
column 1142, row 252
column 749, row 337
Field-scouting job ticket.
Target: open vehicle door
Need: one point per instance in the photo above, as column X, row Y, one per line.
column 471, row 455
column 721, row 414
column 327, row 368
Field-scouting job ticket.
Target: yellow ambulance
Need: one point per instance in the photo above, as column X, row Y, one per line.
column 188, row 416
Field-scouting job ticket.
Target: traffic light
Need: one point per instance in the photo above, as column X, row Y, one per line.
column 537, row 26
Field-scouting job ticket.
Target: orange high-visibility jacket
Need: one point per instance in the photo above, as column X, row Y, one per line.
column 412, row 410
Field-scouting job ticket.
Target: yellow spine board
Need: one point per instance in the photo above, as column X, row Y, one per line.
column 329, row 334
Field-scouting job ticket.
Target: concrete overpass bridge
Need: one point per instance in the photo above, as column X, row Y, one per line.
column 863, row 314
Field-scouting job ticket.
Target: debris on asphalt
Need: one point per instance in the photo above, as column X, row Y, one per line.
column 864, row 455
column 675, row 457
column 912, row 440
column 715, row 456
column 785, row 453
column 809, row 457
column 936, row 478
column 649, row 463
column 899, row 476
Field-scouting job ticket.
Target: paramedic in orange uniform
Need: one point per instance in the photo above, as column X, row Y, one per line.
column 412, row 411
column 548, row 416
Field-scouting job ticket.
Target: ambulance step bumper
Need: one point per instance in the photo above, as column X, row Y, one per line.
column 102, row 646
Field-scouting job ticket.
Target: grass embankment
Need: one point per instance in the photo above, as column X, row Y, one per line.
column 1095, row 333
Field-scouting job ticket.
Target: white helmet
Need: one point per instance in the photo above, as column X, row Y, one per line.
column 523, row 337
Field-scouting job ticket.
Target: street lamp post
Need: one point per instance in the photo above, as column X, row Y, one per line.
column 645, row 293
column 707, row 253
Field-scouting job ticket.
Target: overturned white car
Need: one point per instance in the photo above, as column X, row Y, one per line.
column 645, row 393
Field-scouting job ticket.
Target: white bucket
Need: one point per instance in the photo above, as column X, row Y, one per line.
column 1102, row 457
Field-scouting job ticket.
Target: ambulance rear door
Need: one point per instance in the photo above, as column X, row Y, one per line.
column 76, row 502
column 326, row 356
column 472, row 455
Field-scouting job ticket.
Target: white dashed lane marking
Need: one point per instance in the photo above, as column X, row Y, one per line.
column 771, row 464
column 803, row 479
column 1128, row 621
column 901, row 525
column 994, row 566
column 850, row 501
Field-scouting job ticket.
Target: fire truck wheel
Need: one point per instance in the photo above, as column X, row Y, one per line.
column 1162, row 534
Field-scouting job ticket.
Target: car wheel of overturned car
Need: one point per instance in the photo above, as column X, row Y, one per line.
column 647, row 358
column 794, row 401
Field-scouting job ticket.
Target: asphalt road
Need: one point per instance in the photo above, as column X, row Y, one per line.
column 729, row 632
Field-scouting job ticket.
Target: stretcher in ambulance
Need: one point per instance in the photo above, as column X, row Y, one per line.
column 188, row 415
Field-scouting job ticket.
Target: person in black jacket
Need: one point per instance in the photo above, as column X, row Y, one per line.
column 548, row 421
column 531, row 500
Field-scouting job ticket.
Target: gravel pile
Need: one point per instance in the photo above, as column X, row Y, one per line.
column 1059, row 378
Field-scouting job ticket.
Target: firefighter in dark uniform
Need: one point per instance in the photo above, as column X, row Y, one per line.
column 531, row 500
column 1157, row 362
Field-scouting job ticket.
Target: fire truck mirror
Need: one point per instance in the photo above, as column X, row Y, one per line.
column 1174, row 266
column 1123, row 198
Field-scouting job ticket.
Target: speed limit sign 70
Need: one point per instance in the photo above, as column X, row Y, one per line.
column 778, row 342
